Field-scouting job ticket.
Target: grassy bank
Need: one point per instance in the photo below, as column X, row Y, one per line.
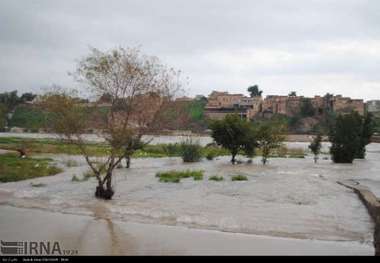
column 100, row 149
column 13, row 168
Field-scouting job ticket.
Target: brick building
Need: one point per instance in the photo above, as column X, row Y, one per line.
column 222, row 103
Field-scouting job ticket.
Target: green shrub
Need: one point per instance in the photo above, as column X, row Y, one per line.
column 216, row 178
column 75, row 179
column 210, row 156
column 86, row 175
column 191, row 152
column 37, row 184
column 239, row 178
column 176, row 176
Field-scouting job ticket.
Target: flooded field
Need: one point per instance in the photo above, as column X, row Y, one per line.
column 288, row 198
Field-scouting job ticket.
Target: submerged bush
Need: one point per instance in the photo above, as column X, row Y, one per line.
column 216, row 178
column 176, row 176
column 210, row 156
column 71, row 163
column 86, row 175
column 239, row 178
column 190, row 151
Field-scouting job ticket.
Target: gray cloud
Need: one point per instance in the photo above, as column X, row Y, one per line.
column 310, row 46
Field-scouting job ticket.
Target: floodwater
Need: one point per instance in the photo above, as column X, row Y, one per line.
column 288, row 198
column 152, row 139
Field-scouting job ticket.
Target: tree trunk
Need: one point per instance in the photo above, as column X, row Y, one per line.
column 376, row 237
column 107, row 191
column 264, row 160
column 128, row 160
column 233, row 159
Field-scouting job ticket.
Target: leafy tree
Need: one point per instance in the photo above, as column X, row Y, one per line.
column 292, row 94
column 254, row 91
column 270, row 135
column 27, row 97
column 138, row 86
column 9, row 99
column 3, row 116
column 368, row 128
column 315, row 146
column 234, row 134
column 345, row 137
column 307, row 108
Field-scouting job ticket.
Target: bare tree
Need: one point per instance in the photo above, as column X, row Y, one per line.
column 136, row 86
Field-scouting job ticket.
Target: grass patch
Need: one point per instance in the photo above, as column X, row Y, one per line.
column 239, row 178
column 13, row 168
column 216, row 178
column 176, row 176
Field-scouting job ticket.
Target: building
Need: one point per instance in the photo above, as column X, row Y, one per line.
column 222, row 103
column 373, row 106
column 345, row 105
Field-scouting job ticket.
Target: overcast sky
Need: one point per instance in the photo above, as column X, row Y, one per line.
column 309, row 46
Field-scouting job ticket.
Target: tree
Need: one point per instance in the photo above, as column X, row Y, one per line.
column 234, row 134
column 315, row 146
column 368, row 128
column 345, row 137
column 307, row 108
column 9, row 99
column 137, row 85
column 292, row 94
column 28, row 96
column 254, row 91
column 270, row 135
column 3, row 116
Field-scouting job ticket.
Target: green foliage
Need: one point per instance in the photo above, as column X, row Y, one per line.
column 28, row 117
column 315, row 146
column 190, row 151
column 196, row 109
column 210, row 156
column 345, row 137
column 292, row 94
column 368, row 129
column 307, row 108
column 3, row 116
column 270, row 136
column 13, row 168
column 216, row 178
column 234, row 134
column 239, row 178
column 254, row 91
column 11, row 99
column 176, row 176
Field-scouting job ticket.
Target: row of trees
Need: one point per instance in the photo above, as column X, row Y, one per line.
column 240, row 135
column 349, row 136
